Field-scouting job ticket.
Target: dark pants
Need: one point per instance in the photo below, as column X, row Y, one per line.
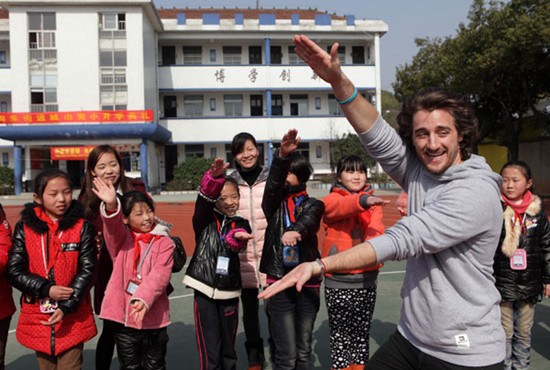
column 105, row 346
column 291, row 318
column 143, row 349
column 4, row 329
column 216, row 322
column 397, row 353
column 254, row 343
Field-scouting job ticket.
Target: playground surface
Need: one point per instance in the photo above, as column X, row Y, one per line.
column 182, row 351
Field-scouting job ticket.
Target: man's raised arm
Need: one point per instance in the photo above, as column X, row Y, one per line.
column 359, row 112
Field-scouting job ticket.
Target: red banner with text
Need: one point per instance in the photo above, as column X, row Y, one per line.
column 101, row 116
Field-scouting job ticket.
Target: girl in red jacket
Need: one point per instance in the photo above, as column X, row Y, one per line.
column 352, row 215
column 52, row 263
column 7, row 308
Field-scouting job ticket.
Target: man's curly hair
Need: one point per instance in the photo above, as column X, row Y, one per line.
column 456, row 105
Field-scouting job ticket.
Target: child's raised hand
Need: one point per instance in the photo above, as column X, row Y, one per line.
column 241, row 235
column 138, row 311
column 218, row 167
column 289, row 143
column 106, row 192
column 376, row 201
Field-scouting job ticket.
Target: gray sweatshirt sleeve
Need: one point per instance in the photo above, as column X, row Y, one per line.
column 462, row 210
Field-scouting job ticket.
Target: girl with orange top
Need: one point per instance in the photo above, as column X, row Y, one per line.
column 352, row 215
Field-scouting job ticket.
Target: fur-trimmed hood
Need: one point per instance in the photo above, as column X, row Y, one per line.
column 73, row 214
column 513, row 230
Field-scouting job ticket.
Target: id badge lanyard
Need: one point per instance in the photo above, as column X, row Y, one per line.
column 48, row 264
column 222, row 264
column 138, row 270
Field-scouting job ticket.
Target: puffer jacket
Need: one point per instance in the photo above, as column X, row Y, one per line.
column 156, row 271
column 73, row 267
column 250, row 208
column 308, row 220
column 534, row 237
column 214, row 238
column 347, row 223
column 7, row 308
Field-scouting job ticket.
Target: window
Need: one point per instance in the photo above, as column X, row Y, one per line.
column 113, row 22
column 255, row 55
column 192, row 55
column 233, row 105
column 358, row 55
column 276, row 105
column 298, row 105
column 212, row 55
column 293, row 58
column 317, row 102
column 112, row 58
column 5, row 159
column 213, row 152
column 194, row 151
column 193, row 105
column 318, row 151
column 3, row 106
column 42, row 28
column 42, row 21
column 168, row 55
column 333, row 107
column 212, row 104
column 276, row 55
column 256, row 105
column 113, row 76
column 231, row 54
column 3, row 59
column 43, row 99
column 114, row 94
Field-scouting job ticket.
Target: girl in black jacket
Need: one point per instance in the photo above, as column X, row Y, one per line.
column 214, row 271
column 291, row 238
column 522, row 261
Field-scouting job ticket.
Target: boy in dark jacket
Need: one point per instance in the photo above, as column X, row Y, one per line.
column 291, row 238
column 214, row 271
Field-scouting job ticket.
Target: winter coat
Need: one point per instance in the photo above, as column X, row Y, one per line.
column 347, row 223
column 74, row 267
column 250, row 208
column 308, row 220
column 533, row 235
column 214, row 237
column 156, row 271
column 104, row 264
column 7, row 308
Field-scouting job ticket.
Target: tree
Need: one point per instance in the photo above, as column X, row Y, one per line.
column 501, row 60
column 188, row 174
column 349, row 144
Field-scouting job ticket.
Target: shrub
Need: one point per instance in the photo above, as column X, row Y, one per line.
column 7, row 184
column 188, row 174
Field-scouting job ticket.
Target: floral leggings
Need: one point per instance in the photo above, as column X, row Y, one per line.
column 349, row 315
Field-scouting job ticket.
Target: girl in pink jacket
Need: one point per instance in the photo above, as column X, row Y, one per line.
column 135, row 298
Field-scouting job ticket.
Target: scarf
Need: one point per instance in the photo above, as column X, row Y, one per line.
column 54, row 242
column 513, row 222
column 291, row 204
column 146, row 238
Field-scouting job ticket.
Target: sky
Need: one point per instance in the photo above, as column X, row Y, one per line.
column 406, row 19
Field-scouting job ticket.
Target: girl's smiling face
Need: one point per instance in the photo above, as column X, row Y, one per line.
column 228, row 201
column 141, row 219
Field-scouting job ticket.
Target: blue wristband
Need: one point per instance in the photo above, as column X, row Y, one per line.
column 350, row 99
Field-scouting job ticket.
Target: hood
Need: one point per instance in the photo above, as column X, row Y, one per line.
column 475, row 166
column 261, row 177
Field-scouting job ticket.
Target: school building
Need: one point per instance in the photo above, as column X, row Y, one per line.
column 163, row 85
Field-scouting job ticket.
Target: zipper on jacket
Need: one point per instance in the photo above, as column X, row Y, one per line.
column 254, row 246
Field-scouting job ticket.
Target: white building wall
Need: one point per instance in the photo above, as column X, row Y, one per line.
column 19, row 70
column 150, row 61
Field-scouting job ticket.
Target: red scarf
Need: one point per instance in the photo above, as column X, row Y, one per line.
column 146, row 238
column 290, row 202
column 54, row 242
column 521, row 208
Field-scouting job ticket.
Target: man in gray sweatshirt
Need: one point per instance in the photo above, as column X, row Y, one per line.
column 450, row 318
